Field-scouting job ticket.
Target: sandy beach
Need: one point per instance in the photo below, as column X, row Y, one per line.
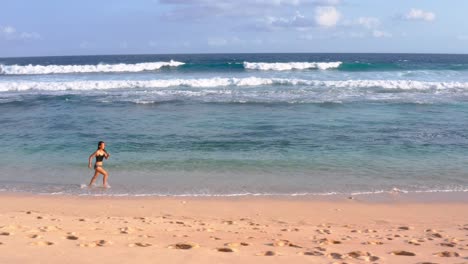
column 70, row 229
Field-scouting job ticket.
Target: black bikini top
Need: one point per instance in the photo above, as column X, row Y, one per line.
column 99, row 158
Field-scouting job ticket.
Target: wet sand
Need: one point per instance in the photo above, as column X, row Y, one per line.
column 71, row 229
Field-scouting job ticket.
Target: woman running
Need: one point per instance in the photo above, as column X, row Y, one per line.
column 100, row 154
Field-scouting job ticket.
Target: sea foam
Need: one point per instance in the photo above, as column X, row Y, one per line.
column 59, row 69
column 228, row 82
column 287, row 66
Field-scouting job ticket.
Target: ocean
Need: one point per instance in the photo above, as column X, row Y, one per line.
column 236, row 124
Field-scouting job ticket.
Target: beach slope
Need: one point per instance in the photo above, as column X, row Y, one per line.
column 63, row 229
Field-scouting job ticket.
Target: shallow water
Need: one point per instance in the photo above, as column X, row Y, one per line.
column 219, row 126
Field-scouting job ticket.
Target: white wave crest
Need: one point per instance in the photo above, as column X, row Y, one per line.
column 57, row 69
column 226, row 82
column 287, row 66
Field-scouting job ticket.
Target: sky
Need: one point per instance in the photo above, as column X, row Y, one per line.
column 90, row 27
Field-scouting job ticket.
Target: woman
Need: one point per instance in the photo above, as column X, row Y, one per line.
column 100, row 154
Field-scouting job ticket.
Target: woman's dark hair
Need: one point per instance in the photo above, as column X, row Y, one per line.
column 99, row 144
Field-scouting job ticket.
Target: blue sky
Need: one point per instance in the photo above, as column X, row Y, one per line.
column 54, row 27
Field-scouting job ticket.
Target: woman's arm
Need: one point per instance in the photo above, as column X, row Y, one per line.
column 90, row 159
column 107, row 155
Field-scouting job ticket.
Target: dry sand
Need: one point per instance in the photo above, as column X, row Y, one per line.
column 61, row 229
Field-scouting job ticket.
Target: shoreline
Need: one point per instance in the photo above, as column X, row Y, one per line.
column 368, row 197
column 72, row 229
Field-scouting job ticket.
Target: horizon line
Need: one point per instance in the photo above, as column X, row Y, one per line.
column 233, row 53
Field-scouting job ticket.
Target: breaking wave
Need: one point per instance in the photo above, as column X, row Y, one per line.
column 227, row 82
column 287, row 66
column 59, row 69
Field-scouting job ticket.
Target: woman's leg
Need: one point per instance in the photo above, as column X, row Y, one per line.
column 104, row 174
column 96, row 174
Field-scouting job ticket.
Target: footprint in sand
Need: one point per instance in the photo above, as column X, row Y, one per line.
column 414, row 242
column 290, row 229
column 326, row 241
column 97, row 243
column 279, row 243
column 323, row 231
column 373, row 243
column 146, row 236
column 448, row 244
column 360, row 255
column 102, row 243
column 176, row 235
column 311, row 253
column 72, row 237
column 320, row 248
column 226, row 250
column 129, row 230
column 209, row 230
column 402, row 253
column 5, row 233
column 268, row 253
column 447, row 254
column 235, row 244
column 283, row 243
column 42, row 243
column 404, row 228
column 184, row 246
column 49, row 228
column 34, row 236
column 433, row 233
column 334, row 255
column 140, row 244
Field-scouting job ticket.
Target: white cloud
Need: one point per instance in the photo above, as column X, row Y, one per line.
column 418, row 14
column 381, row 34
column 278, row 2
column 368, row 22
column 254, row 3
column 334, row 35
column 197, row 10
column 10, row 33
column 327, row 16
column 298, row 21
column 369, row 27
column 27, row 35
column 327, row 2
column 8, row 30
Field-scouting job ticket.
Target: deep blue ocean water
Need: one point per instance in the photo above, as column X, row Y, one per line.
column 236, row 124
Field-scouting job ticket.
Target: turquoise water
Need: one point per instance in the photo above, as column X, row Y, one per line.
column 236, row 124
